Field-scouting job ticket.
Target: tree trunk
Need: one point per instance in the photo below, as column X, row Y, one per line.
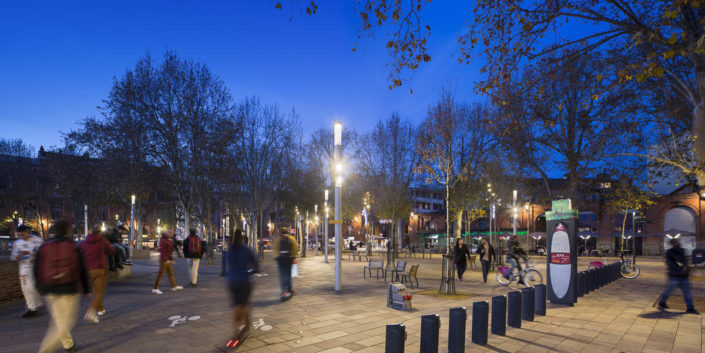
column 458, row 224
column 699, row 143
column 187, row 221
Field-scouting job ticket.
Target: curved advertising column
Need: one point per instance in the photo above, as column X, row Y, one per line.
column 561, row 260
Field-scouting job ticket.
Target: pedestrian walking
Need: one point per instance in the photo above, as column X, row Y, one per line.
column 241, row 266
column 486, row 252
column 678, row 272
column 461, row 254
column 193, row 252
column 285, row 250
column 166, row 262
column 60, row 276
column 96, row 250
column 23, row 251
column 177, row 245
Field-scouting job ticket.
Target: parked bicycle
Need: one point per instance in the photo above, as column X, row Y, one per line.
column 531, row 276
column 628, row 269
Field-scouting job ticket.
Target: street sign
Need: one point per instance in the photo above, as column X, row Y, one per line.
column 335, row 221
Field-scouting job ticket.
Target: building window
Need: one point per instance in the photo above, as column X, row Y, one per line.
column 605, row 185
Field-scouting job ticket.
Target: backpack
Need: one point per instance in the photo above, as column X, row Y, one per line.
column 58, row 263
column 194, row 246
column 285, row 247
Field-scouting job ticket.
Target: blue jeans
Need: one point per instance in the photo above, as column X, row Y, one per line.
column 284, row 273
column 683, row 284
column 514, row 263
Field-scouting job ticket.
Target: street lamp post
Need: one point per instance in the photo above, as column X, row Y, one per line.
column 325, row 228
column 514, row 210
column 85, row 221
column 526, row 211
column 315, row 229
column 338, row 156
column 634, row 237
column 132, row 222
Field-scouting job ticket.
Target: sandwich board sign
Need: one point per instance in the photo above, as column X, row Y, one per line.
column 562, row 259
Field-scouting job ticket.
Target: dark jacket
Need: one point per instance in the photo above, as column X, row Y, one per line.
column 241, row 264
column 515, row 249
column 461, row 254
column 95, row 248
column 677, row 262
column 69, row 288
column 481, row 251
column 186, row 243
column 166, row 249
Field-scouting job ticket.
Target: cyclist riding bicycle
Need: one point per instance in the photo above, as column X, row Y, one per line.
column 515, row 253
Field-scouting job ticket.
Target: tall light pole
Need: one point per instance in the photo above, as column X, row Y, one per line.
column 132, row 221
column 315, row 225
column 633, row 236
column 85, row 221
column 526, row 210
column 159, row 225
column 514, row 211
column 308, row 226
column 325, row 228
column 338, row 156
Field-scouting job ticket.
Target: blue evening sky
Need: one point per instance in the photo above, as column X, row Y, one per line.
column 58, row 59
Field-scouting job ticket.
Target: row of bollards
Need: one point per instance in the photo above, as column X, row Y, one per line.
column 507, row 310
column 597, row 277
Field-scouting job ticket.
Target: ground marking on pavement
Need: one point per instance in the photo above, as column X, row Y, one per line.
column 261, row 325
column 261, row 274
column 178, row 319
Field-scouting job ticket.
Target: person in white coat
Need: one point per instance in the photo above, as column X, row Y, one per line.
column 23, row 251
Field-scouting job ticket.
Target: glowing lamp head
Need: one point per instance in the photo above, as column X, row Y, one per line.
column 133, row 199
column 338, row 132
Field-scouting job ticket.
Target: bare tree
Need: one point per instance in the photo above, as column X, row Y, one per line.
column 387, row 160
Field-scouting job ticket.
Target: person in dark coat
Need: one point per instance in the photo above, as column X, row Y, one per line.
column 60, row 277
column 678, row 272
column 241, row 266
column 461, row 254
column 486, row 252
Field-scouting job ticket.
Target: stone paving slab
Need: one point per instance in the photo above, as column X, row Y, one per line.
column 616, row 318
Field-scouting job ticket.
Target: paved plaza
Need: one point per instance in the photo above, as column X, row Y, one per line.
column 617, row 318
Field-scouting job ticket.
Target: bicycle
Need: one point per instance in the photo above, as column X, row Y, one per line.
column 530, row 275
column 628, row 269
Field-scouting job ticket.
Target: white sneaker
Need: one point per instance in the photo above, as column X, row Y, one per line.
column 177, row 288
column 91, row 317
column 101, row 313
column 157, row 291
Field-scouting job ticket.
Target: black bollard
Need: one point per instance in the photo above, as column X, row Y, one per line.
column 579, row 284
column 224, row 263
column 396, row 335
column 591, row 283
column 499, row 315
column 600, row 272
column 430, row 325
column 586, row 288
column 480, row 318
column 456, row 329
column 514, row 309
column 527, row 304
column 540, row 299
